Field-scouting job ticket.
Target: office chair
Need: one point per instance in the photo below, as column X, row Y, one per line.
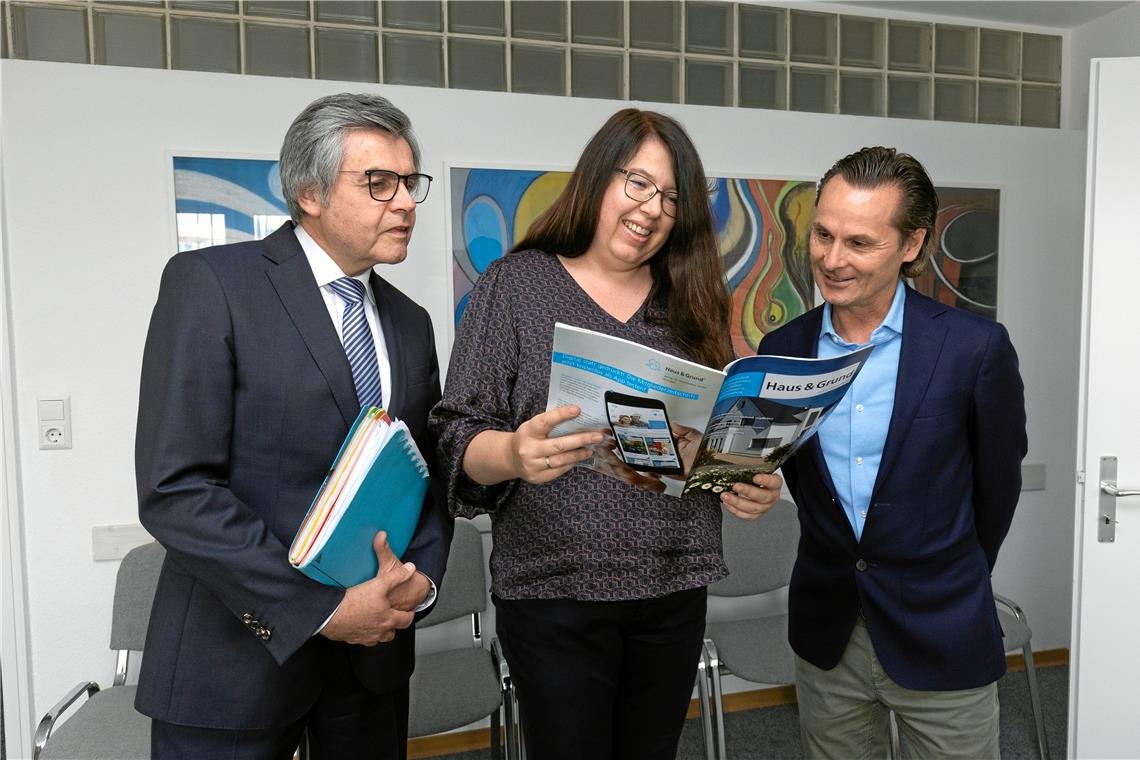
column 467, row 681
column 1017, row 636
column 107, row 726
column 759, row 554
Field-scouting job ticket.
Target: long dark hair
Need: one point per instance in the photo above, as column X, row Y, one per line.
column 689, row 288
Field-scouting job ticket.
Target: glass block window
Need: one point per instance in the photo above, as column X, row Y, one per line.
column 477, row 17
column 420, row 15
column 203, row 44
column 861, row 94
column 347, row 11
column 413, row 60
column 348, row 55
column 762, row 32
column 862, row 42
column 708, row 28
column 597, row 22
column 654, row 78
column 909, row 46
column 130, row 39
column 539, row 20
column 596, row 74
column 655, row 24
column 477, row 64
column 812, row 90
column 812, row 37
column 281, row 51
column 763, row 86
column 45, row 33
column 708, row 83
column 702, row 52
column 538, row 70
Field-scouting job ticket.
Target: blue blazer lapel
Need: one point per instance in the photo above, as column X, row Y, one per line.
column 391, row 341
column 293, row 280
column 922, row 340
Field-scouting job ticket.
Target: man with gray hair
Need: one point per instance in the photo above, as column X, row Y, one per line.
column 259, row 357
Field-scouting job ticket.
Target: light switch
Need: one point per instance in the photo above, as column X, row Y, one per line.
column 54, row 416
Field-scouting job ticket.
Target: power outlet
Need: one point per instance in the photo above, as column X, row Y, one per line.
column 54, row 416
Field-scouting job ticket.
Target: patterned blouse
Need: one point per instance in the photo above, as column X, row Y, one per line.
column 584, row 535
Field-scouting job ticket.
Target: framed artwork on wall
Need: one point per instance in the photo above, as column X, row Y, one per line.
column 762, row 226
column 220, row 200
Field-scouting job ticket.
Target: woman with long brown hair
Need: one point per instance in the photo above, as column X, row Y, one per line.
column 599, row 586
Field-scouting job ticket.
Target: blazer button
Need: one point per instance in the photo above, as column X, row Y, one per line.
column 860, row 565
column 247, row 618
column 264, row 634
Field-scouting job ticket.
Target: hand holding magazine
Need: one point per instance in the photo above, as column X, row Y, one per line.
column 377, row 482
column 676, row 426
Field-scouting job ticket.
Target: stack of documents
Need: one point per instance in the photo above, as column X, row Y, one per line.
column 377, row 482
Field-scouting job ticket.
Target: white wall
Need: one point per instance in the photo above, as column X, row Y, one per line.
column 89, row 227
column 1113, row 35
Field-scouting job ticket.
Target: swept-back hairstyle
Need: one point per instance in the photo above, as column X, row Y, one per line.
column 313, row 148
column 870, row 168
column 689, row 291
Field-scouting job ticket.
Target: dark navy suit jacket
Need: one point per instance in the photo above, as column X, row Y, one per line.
column 246, row 397
column 943, row 501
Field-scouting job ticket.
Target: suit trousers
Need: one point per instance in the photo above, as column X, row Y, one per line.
column 346, row 721
column 843, row 711
column 603, row 680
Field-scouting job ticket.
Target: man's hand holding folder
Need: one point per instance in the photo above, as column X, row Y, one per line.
column 372, row 612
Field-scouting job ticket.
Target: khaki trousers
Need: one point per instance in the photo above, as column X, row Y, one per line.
column 843, row 712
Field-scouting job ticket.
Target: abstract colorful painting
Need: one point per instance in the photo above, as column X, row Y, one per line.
column 762, row 226
column 963, row 269
column 226, row 200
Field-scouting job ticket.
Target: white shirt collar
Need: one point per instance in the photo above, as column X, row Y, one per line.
column 325, row 270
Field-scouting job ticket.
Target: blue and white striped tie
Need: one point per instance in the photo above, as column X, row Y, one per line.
column 358, row 343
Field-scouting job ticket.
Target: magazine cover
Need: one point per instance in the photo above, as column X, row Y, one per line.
column 675, row 426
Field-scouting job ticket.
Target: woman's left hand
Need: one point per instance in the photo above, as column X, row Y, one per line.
column 750, row 500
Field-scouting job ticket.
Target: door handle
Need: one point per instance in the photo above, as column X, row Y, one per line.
column 1109, row 493
column 1109, row 487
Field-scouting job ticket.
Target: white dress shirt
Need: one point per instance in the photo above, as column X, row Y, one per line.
column 325, row 270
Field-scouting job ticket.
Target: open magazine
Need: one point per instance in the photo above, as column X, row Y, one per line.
column 678, row 427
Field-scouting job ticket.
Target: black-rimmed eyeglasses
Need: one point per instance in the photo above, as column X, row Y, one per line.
column 382, row 184
column 640, row 188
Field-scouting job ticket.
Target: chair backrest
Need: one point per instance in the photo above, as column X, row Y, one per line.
column 759, row 553
column 464, row 587
column 134, row 595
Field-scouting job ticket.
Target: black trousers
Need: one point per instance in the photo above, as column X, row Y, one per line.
column 346, row 721
column 603, row 680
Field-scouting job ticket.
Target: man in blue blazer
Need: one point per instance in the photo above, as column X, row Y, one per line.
column 908, row 490
column 247, row 393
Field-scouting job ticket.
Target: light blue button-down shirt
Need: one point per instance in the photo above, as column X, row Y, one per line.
column 852, row 437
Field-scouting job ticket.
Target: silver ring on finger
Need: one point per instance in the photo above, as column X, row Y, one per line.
column 547, row 462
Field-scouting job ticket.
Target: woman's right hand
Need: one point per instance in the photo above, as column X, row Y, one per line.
column 537, row 458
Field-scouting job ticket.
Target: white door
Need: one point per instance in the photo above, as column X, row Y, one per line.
column 1104, row 697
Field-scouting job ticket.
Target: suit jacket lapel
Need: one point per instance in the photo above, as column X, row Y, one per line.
column 293, row 280
column 922, row 340
column 392, row 342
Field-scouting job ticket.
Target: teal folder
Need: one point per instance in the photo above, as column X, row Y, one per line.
column 390, row 498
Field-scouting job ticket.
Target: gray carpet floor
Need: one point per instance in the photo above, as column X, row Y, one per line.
column 773, row 732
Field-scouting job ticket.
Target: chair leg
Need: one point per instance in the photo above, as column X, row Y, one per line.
column 717, row 699
column 703, row 689
column 510, row 724
column 1035, row 702
column 895, row 744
